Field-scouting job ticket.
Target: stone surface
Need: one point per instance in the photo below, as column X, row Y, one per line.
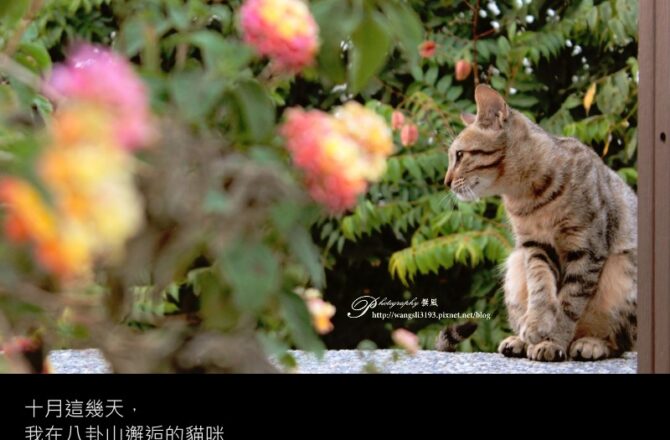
column 89, row 361
column 385, row 361
column 425, row 362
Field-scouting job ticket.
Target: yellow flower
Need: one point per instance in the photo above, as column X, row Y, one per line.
column 321, row 312
column 78, row 123
column 93, row 185
column 69, row 256
column 366, row 127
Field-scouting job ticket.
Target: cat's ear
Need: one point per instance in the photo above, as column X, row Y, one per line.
column 468, row 118
column 492, row 110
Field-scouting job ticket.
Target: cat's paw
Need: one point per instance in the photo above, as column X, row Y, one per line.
column 589, row 349
column 537, row 327
column 512, row 346
column 546, row 351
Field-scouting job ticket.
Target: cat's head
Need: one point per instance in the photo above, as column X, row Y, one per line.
column 477, row 155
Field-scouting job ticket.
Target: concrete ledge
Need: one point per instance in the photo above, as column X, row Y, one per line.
column 427, row 362
column 385, row 361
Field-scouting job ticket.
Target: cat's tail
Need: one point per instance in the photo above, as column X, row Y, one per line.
column 450, row 336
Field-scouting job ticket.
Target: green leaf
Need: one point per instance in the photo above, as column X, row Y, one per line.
column 522, row 101
column 307, row 253
column 454, row 93
column 253, row 272
column 194, row 96
column 503, row 46
column 336, row 19
column 179, row 16
column 216, row 307
column 444, row 83
column 631, row 144
column 257, row 111
column 406, row 26
column 43, row 106
column 629, row 175
column 431, row 76
column 370, row 46
column 272, row 346
column 299, row 322
column 12, row 11
column 216, row 202
column 226, row 57
column 34, row 56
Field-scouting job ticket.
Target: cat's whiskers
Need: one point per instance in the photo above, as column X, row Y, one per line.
column 448, row 201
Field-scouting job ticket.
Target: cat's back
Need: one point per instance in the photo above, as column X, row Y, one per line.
column 599, row 197
column 587, row 198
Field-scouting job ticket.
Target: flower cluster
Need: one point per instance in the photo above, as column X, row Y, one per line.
column 321, row 311
column 100, row 78
column 86, row 170
column 283, row 30
column 338, row 153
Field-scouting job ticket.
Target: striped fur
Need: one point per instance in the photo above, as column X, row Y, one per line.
column 449, row 337
column 571, row 282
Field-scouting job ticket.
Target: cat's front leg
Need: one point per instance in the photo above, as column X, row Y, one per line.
column 542, row 272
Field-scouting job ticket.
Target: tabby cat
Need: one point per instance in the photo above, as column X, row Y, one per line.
column 571, row 281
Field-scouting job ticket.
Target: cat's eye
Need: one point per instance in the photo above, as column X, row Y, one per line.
column 459, row 155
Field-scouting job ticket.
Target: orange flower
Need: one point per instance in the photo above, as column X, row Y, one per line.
column 67, row 257
column 28, row 217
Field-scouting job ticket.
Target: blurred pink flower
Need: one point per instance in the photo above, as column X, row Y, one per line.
column 325, row 156
column 397, row 120
column 338, row 154
column 406, row 339
column 409, row 134
column 427, row 49
column 97, row 76
column 283, row 30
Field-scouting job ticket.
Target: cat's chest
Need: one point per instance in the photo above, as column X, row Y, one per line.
column 549, row 229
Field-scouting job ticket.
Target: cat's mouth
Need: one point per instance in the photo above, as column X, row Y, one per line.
column 465, row 192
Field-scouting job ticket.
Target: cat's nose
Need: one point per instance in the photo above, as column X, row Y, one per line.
column 447, row 180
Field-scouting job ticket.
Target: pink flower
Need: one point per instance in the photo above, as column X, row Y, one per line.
column 406, row 339
column 97, row 76
column 325, row 156
column 397, row 120
column 338, row 154
column 462, row 70
column 409, row 134
column 427, row 49
column 283, row 30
